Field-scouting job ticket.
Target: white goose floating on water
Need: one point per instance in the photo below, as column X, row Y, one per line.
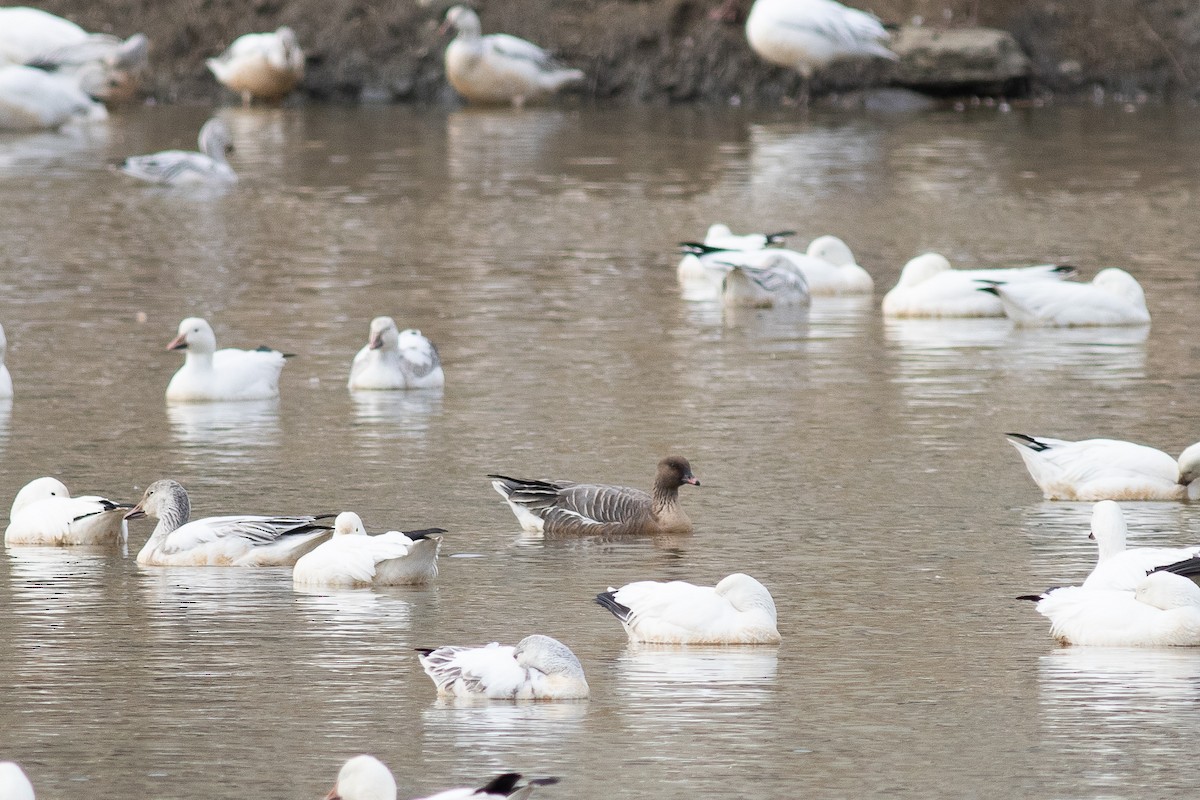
column 188, row 168
column 929, row 287
column 775, row 284
column 352, row 558
column 738, row 610
column 6, row 384
column 244, row 540
column 1162, row 611
column 212, row 375
column 14, row 783
column 1114, row 297
column 1121, row 568
column 395, row 359
column 264, row 66
column 1108, row 469
column 807, row 35
column 44, row 513
column 719, row 235
column 499, row 68
column 538, row 668
column 32, row 99
column 367, row 778
column 827, row 266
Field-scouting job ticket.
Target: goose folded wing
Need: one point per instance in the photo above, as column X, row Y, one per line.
column 258, row 530
column 521, row 50
column 601, row 504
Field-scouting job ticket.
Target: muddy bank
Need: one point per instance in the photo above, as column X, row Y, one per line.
column 642, row 51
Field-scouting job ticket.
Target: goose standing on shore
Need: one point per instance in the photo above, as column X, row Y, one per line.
column 44, row 513
column 563, row 507
column 807, row 35
column 235, row 541
column 263, row 66
column 738, row 610
column 538, row 668
column 186, row 167
column 930, row 287
column 352, row 558
column 499, row 68
column 1108, row 469
column 395, row 359
column 6, row 384
column 212, row 375
column 1114, row 297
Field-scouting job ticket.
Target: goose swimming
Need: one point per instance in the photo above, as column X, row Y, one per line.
column 188, row 168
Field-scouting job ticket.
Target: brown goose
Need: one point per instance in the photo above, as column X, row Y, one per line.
column 563, row 507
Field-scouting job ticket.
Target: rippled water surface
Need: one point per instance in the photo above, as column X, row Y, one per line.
column 853, row 465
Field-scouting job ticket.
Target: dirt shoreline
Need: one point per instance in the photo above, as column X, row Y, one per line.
column 641, row 51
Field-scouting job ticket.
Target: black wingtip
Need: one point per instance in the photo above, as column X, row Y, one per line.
column 608, row 601
column 1188, row 568
column 424, row 650
column 1065, row 269
column 990, row 290
column 779, row 236
column 424, row 533
column 503, row 784
column 1036, row 598
column 1028, row 441
column 699, row 248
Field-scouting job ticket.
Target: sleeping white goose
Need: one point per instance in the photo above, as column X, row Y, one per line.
column 6, row 384
column 239, row 541
column 1114, row 297
column 738, row 610
column 807, row 35
column 188, row 168
column 538, row 668
column 929, row 287
column 265, row 66
column 1118, row 567
column 212, row 375
column 1162, row 611
column 828, row 267
column 31, row 99
column 14, row 783
column 1108, row 469
column 499, row 68
column 367, row 778
column 564, row 507
column 44, row 513
column 395, row 359
column 775, row 284
column 352, row 558
column 719, row 235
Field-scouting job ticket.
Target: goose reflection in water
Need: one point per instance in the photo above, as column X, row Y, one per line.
column 507, row 731
column 5, row 416
column 223, row 432
column 401, row 414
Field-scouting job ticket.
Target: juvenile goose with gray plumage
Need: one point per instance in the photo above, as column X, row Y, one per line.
column 564, row 507
column 234, row 541
column 538, row 668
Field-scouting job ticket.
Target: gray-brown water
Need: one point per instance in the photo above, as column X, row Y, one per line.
column 853, row 465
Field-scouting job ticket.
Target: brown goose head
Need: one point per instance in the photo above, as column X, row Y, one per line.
column 673, row 472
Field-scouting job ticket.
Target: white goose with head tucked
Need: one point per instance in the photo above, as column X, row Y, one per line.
column 827, row 266
column 738, row 610
column 1119, row 567
column 1163, row 610
column 499, row 68
column 14, row 783
column 352, row 558
column 1108, row 469
column 367, row 778
column 265, row 66
column 44, row 513
column 396, row 359
column 32, row 99
column 240, row 541
column 538, row 668
column 929, row 287
column 6, row 384
column 188, row 168
column 1114, row 297
column 720, row 235
column 212, row 375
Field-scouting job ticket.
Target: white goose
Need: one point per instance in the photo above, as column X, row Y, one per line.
column 719, row 235
column 14, row 783
column 212, row 375
column 31, row 99
column 929, row 287
column 260, row 65
column 351, row 558
column 44, row 513
column 1162, row 611
column 1114, row 297
column 188, row 168
column 1121, row 568
column 239, row 541
column 367, row 778
column 6, row 384
column 1108, row 469
column 499, row 68
column 395, row 359
column 538, row 668
column 738, row 610
column 807, row 35
column 828, row 267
